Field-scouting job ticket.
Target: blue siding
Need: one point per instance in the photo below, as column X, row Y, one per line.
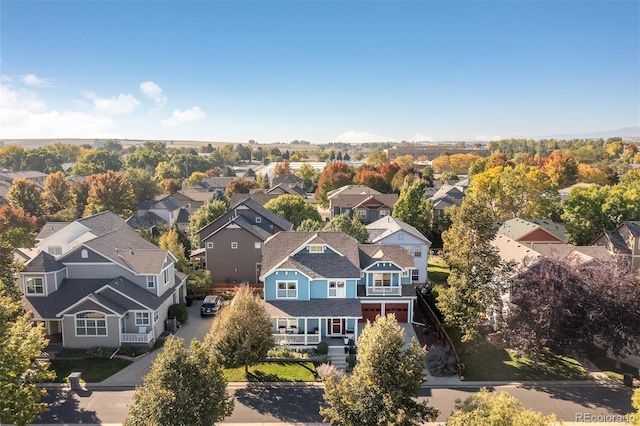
column 319, row 289
column 270, row 284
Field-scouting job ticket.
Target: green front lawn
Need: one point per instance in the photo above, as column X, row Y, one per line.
column 274, row 371
column 486, row 362
column 608, row 366
column 93, row 370
column 438, row 271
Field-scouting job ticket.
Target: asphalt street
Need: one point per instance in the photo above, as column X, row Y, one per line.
column 284, row 403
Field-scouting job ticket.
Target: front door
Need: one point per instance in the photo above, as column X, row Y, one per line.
column 335, row 325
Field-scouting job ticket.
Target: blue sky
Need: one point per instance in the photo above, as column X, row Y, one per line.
column 275, row 71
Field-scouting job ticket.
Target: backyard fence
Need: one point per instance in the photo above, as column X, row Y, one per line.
column 440, row 332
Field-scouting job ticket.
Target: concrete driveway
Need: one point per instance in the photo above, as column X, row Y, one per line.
column 195, row 328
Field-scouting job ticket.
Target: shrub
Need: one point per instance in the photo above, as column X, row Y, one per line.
column 99, row 352
column 431, row 297
column 324, row 370
column 180, row 312
column 441, row 361
column 323, row 348
column 351, row 361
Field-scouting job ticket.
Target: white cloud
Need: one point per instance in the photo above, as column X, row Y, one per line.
column 121, row 104
column 418, row 137
column 5, row 78
column 193, row 114
column 34, row 80
column 361, row 137
column 24, row 115
column 488, row 138
column 154, row 92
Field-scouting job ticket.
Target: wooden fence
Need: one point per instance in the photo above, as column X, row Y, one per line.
column 441, row 334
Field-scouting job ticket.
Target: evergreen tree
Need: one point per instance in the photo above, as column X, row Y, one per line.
column 413, row 208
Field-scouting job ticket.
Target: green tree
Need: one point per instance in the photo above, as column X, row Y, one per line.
column 263, row 181
column 183, row 388
column 242, row 332
column 110, row 191
column 384, row 385
column 20, row 371
column 112, row 145
column 582, row 213
column 203, row 216
column 57, row 194
column 474, row 284
column 350, row 226
column 11, row 157
column 413, row 208
column 309, row 176
column 145, row 187
column 496, row 408
column 293, row 208
column 42, row 160
column 148, row 156
column 17, row 228
column 97, row 161
column 170, row 240
column 334, row 176
column 240, row 186
column 309, row 225
column 26, row 195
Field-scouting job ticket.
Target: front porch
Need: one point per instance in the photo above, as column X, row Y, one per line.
column 137, row 338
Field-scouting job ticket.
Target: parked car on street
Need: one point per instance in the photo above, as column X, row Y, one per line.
column 210, row 305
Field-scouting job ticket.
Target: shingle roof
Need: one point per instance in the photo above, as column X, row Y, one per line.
column 254, row 229
column 331, row 308
column 562, row 251
column 372, row 253
column 634, row 227
column 267, row 214
column 354, row 200
column 290, row 178
column 517, row 228
column 279, row 248
column 386, row 226
column 44, row 262
column 102, row 223
column 450, row 191
column 50, row 228
column 72, row 291
column 126, row 248
column 259, row 197
column 351, row 189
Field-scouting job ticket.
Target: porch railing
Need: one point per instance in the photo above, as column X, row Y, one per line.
column 384, row 291
column 137, row 337
column 296, row 339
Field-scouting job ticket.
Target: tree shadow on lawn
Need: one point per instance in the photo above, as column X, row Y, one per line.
column 64, row 408
column 614, row 399
column 259, row 376
column 300, row 404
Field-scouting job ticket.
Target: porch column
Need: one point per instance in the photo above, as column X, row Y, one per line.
column 306, row 332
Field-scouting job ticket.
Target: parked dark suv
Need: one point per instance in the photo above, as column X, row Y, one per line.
column 210, row 305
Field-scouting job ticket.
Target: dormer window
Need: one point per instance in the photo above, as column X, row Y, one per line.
column 54, row 250
column 151, row 281
column 35, row 286
column 316, row 249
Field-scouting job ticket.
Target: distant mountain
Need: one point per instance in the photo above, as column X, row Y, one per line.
column 632, row 132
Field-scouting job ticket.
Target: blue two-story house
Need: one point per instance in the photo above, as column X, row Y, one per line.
column 323, row 284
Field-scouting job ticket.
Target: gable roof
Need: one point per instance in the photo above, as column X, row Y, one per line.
column 321, row 308
column 289, row 179
column 102, row 223
column 44, row 262
column 126, row 248
column 259, row 197
column 373, row 253
column 50, row 228
column 517, row 228
column 281, row 251
column 252, row 228
column 618, row 242
column 450, row 191
column 355, row 200
column 267, row 214
column 580, row 253
column 210, row 184
column 388, row 225
column 351, row 189
column 72, row 291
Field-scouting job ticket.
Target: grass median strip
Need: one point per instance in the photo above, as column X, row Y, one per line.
column 274, row 371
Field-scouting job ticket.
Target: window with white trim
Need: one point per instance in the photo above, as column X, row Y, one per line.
column 151, row 281
column 362, row 214
column 415, row 275
column 336, row 289
column 287, row 290
column 84, row 254
column 385, row 212
column 408, row 248
column 156, row 315
column 361, row 274
column 35, row 285
column 401, row 236
column 257, row 245
column 316, row 249
column 143, row 318
column 234, row 244
column 405, row 273
column 258, row 219
column 54, row 250
column 417, row 251
column 165, row 274
column 91, row 324
column 287, row 322
column 382, row 279
column 209, row 244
